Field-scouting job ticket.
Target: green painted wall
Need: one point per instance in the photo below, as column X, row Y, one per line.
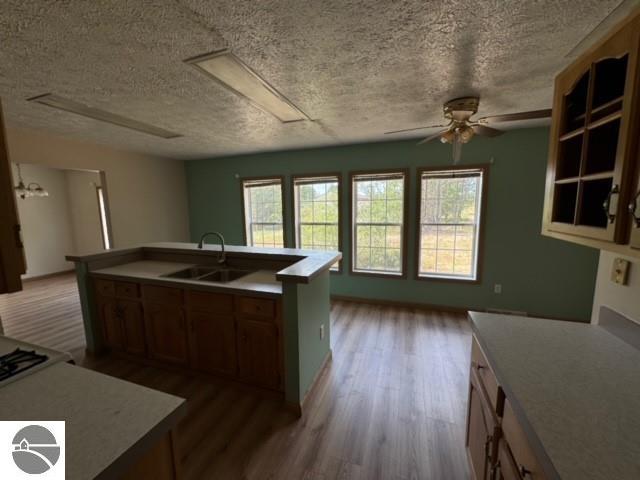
column 539, row 275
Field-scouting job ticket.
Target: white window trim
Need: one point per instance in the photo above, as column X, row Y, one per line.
column 248, row 183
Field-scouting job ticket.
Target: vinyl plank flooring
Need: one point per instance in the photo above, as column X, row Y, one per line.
column 390, row 405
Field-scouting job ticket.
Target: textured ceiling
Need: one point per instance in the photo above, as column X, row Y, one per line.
column 358, row 68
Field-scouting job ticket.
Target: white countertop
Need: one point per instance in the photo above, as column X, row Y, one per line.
column 109, row 422
column 575, row 388
column 261, row 281
column 305, row 264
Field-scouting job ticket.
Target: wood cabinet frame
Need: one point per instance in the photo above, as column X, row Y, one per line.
column 624, row 39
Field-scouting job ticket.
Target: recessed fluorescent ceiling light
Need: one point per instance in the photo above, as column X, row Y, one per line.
column 232, row 73
column 61, row 103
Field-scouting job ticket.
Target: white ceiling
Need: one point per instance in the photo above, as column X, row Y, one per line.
column 358, row 68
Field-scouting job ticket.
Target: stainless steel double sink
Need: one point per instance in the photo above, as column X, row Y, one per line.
column 207, row 273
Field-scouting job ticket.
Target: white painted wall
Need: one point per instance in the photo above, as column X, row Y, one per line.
column 46, row 223
column 84, row 210
column 624, row 299
column 147, row 195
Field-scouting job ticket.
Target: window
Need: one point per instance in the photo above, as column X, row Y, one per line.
column 317, row 213
column 104, row 223
column 378, row 212
column 263, row 212
column 450, row 211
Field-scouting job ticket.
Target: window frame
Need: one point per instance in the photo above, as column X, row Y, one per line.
column 484, row 168
column 294, row 207
column 405, row 172
column 276, row 179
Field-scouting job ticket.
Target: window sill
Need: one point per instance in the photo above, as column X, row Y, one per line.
column 379, row 274
column 445, row 278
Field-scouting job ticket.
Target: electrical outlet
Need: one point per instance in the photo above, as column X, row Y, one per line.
column 497, row 288
column 322, row 331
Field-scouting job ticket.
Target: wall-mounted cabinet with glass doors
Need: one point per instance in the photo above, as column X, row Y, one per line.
column 592, row 176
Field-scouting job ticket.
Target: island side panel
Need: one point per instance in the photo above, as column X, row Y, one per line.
column 89, row 309
column 314, row 313
column 291, row 344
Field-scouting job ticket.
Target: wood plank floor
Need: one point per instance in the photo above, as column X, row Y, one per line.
column 391, row 404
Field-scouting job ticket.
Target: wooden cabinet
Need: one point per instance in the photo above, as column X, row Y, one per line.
column 258, row 347
column 212, row 342
column 132, row 326
column 12, row 263
column 482, row 430
column 593, row 159
column 236, row 336
column 122, row 321
column 496, row 444
column 111, row 323
column 166, row 333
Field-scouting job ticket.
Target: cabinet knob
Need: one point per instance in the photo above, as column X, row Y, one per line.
column 524, row 473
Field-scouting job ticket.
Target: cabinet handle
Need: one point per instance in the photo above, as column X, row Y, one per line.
column 17, row 230
column 633, row 207
column 607, row 203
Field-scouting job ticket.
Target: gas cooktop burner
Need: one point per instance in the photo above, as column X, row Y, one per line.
column 18, row 361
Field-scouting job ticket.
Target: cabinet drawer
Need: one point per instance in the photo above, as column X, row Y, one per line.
column 257, row 307
column 481, row 365
column 525, row 459
column 162, row 295
column 127, row 290
column 210, row 302
column 106, row 288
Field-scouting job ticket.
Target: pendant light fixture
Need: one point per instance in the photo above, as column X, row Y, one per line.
column 32, row 189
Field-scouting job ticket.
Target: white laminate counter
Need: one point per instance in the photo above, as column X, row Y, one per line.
column 260, row 282
column 576, row 390
column 109, row 422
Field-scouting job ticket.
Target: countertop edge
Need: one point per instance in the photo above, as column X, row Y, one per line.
column 128, row 458
column 532, row 437
column 309, row 265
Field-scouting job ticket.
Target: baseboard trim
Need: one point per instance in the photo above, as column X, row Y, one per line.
column 395, row 303
column 298, row 408
column 47, row 275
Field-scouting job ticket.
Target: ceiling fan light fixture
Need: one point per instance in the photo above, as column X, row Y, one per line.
column 465, row 134
column 448, row 137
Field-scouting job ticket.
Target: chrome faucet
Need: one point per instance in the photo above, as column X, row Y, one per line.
column 223, row 256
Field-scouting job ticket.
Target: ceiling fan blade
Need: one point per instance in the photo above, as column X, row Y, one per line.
column 431, row 137
column 486, row 131
column 416, row 128
column 514, row 117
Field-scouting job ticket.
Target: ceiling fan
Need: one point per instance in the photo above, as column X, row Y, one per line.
column 461, row 128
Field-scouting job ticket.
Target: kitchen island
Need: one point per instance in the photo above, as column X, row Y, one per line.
column 264, row 322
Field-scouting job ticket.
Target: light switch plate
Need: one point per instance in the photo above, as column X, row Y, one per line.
column 620, row 272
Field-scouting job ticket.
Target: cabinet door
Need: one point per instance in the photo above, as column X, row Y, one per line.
column 111, row 323
column 258, row 352
column 166, row 333
column 212, row 342
column 481, row 430
column 133, row 326
column 12, row 263
column 594, row 140
column 507, row 469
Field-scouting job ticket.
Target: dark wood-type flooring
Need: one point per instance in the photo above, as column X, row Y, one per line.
column 391, row 404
